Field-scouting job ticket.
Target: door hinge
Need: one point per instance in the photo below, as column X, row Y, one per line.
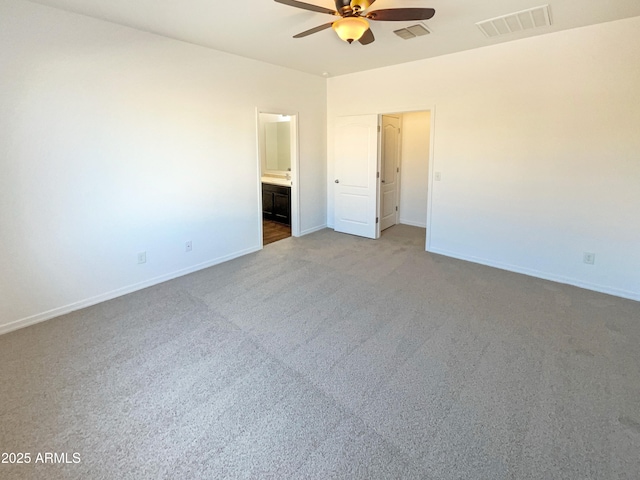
column 398, row 170
column 377, row 174
column 376, row 219
column 396, row 208
column 378, row 128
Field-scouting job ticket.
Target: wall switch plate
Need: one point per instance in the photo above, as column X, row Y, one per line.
column 438, row 176
column 589, row 258
column 142, row 257
column 188, row 246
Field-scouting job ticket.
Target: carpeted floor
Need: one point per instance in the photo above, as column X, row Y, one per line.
column 331, row 356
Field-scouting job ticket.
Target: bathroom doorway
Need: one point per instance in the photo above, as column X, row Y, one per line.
column 278, row 173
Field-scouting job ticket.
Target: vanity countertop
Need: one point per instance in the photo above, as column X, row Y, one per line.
column 283, row 182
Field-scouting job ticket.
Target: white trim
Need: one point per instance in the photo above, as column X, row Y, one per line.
column 379, row 168
column 539, row 274
column 260, row 238
column 432, row 126
column 295, row 176
column 103, row 297
column 312, row 229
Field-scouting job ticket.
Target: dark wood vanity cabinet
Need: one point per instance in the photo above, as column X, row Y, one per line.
column 276, row 203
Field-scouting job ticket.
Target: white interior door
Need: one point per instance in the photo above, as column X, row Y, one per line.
column 356, row 169
column 389, row 171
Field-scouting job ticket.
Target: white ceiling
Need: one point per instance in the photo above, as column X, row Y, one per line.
column 263, row 29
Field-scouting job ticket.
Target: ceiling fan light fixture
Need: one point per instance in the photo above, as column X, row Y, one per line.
column 350, row 28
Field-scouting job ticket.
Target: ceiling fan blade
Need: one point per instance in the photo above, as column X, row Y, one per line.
column 367, row 37
column 307, row 6
column 401, row 14
column 313, row 30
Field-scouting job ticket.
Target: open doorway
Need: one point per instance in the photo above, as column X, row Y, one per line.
column 405, row 150
column 278, row 168
column 382, row 172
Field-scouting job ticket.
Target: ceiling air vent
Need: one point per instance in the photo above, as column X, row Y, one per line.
column 516, row 22
column 413, row 31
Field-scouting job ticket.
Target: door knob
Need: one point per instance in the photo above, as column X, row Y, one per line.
column 337, row 181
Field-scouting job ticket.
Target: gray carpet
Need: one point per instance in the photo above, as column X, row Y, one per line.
column 332, row 356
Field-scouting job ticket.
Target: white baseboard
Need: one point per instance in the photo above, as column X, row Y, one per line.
column 413, row 224
column 103, row 297
column 544, row 275
column 313, row 229
column 56, row 312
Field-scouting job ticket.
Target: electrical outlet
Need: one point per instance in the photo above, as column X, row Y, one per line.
column 589, row 258
column 188, row 246
column 438, row 176
column 142, row 257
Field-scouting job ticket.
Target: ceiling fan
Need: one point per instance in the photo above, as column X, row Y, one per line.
column 353, row 23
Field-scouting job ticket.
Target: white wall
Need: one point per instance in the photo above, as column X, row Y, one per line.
column 539, row 148
column 414, row 174
column 115, row 141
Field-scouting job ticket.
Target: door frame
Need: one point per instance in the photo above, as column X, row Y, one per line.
column 295, row 168
column 430, row 180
